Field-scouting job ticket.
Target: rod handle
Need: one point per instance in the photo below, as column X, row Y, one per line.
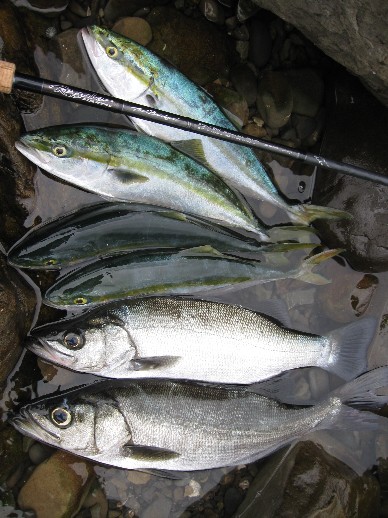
column 7, row 73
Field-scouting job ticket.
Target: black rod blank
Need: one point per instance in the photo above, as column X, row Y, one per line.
column 104, row 102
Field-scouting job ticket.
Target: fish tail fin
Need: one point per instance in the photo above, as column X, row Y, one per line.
column 305, row 214
column 305, row 272
column 349, row 347
column 363, row 392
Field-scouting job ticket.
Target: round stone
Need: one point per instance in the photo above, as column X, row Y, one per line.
column 135, row 28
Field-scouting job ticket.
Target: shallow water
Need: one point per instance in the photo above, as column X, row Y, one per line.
column 316, row 309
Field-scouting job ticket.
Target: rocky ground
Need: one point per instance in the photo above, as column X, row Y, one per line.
column 279, row 87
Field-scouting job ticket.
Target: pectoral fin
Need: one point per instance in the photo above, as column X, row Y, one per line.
column 127, row 176
column 199, row 250
column 152, row 362
column 148, row 453
column 173, row 215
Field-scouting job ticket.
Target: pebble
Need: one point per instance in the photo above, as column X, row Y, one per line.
column 232, row 101
column 231, row 23
column 97, row 502
column 254, row 130
column 159, row 508
column 241, row 33
column 138, row 477
column 242, row 49
column 246, row 9
column 135, row 28
column 260, row 43
column 232, row 499
column 274, row 99
column 245, row 82
column 212, row 11
column 307, row 91
column 39, row 452
column 56, row 487
column 193, row 489
column 304, row 126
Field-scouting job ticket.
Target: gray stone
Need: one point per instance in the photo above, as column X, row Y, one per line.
column 309, row 482
column 241, row 33
column 356, row 134
column 212, row 11
column 246, row 9
column 307, row 91
column 232, row 101
column 274, row 99
column 160, row 508
column 304, row 126
column 353, row 33
column 245, row 82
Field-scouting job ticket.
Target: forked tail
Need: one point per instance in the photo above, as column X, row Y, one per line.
column 305, row 272
column 305, row 214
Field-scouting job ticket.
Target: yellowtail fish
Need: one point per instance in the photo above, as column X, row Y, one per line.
column 122, row 165
column 131, row 72
column 163, row 272
column 176, row 425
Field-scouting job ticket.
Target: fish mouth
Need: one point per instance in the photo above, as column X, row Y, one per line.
column 27, row 424
column 49, row 352
column 91, row 44
column 33, row 154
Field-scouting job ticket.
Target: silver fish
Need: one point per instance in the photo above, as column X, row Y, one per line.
column 169, row 425
column 194, row 339
column 131, row 72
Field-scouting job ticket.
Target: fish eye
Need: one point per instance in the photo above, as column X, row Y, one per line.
column 80, row 301
column 50, row 262
column 112, row 52
column 74, row 341
column 59, row 151
column 61, row 417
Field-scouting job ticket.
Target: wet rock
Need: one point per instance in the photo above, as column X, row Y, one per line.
column 96, row 501
column 11, row 451
column 364, row 237
column 260, row 43
column 201, row 54
column 39, row 452
column 242, row 49
column 254, row 130
column 57, row 487
column 274, row 99
column 245, row 82
column 138, row 477
column 116, row 9
column 309, row 482
column 307, row 91
column 352, row 33
column 160, row 507
column 241, row 33
column 232, row 499
column 212, row 11
column 136, row 29
column 66, row 48
column 304, row 126
column 246, row 9
column 231, row 101
column 17, row 305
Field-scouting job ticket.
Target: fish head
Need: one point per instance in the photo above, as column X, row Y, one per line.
column 68, row 151
column 95, row 344
column 126, row 68
column 37, row 251
column 79, row 421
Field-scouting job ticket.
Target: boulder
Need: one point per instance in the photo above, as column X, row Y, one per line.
column 353, row 33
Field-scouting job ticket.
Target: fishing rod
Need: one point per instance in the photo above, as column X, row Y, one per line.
column 10, row 79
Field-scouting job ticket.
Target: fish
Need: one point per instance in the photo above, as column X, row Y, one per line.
column 164, row 272
column 122, row 165
column 195, row 339
column 133, row 73
column 107, row 229
column 186, row 426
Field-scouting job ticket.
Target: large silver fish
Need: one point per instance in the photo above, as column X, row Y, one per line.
column 123, row 165
column 131, row 72
column 170, row 273
column 198, row 340
column 168, row 425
